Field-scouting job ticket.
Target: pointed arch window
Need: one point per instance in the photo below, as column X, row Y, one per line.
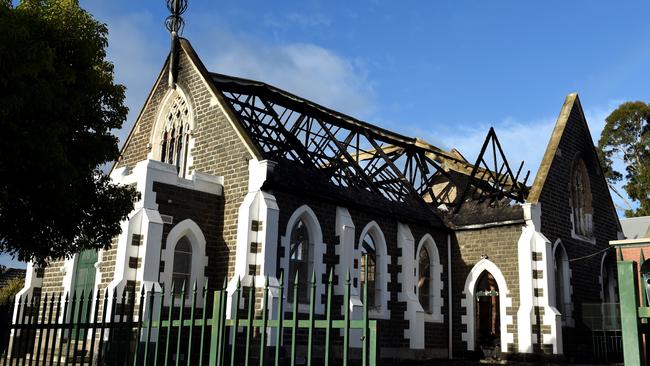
column 582, row 211
column 300, row 261
column 182, row 268
column 424, row 285
column 175, row 135
column 369, row 259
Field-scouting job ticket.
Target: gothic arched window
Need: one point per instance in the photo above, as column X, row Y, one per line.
column 424, row 279
column 175, row 135
column 182, row 269
column 300, row 260
column 582, row 212
column 369, row 259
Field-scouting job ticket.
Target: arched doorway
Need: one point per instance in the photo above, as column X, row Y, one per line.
column 488, row 322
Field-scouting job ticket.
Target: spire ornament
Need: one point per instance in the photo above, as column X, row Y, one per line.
column 175, row 24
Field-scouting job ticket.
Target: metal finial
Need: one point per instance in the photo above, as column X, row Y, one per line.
column 174, row 23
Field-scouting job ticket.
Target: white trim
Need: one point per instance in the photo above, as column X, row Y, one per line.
column 316, row 252
column 31, row 283
column 612, row 287
column 215, row 101
column 193, row 232
column 406, row 277
column 345, row 231
column 533, row 241
column 382, row 262
column 259, row 206
column 567, row 289
column 469, row 303
column 436, row 279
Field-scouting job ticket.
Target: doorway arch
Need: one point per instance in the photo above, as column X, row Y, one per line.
column 469, row 302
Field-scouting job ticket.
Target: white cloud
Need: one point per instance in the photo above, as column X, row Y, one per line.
column 522, row 141
column 305, row 69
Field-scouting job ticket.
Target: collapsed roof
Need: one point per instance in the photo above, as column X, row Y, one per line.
column 357, row 155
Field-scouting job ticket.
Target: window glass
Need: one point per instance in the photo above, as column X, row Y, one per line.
column 182, row 268
column 175, row 135
column 369, row 252
column 424, row 279
column 581, row 200
column 299, row 261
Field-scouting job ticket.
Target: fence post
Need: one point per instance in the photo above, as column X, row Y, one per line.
column 328, row 318
column 192, row 320
column 170, row 315
column 280, row 317
column 312, row 304
column 346, row 318
column 138, row 334
column 628, row 290
column 265, row 299
column 294, row 326
column 152, row 293
column 234, row 329
column 203, row 320
column 160, row 318
column 373, row 351
column 94, row 327
column 221, row 343
column 364, row 350
column 181, row 312
column 214, row 332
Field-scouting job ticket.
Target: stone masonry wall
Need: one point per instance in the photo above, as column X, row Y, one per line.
column 207, row 211
column 218, row 149
column 556, row 224
column 391, row 332
column 500, row 245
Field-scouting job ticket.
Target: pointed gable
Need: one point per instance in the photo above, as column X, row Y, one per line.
column 207, row 105
column 569, row 153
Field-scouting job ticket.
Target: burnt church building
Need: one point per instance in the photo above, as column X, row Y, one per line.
column 240, row 180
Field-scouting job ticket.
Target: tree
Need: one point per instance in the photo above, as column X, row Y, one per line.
column 626, row 136
column 58, row 105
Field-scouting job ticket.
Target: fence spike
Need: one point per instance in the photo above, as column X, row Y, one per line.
column 249, row 326
column 280, row 316
column 203, row 320
column 346, row 318
column 328, row 317
column 312, row 305
column 265, row 296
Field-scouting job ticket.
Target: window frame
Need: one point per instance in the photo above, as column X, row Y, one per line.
column 436, row 296
column 159, row 139
column 581, row 202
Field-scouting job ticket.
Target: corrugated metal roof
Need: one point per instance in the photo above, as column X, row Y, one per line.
column 636, row 227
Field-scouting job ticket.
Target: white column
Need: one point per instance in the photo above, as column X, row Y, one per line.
column 345, row 230
column 414, row 311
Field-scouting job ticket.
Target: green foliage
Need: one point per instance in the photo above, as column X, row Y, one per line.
column 626, row 136
column 58, row 104
column 8, row 292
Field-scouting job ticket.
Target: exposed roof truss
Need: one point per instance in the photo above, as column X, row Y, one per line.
column 349, row 152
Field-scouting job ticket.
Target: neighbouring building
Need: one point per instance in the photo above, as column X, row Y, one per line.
column 240, row 179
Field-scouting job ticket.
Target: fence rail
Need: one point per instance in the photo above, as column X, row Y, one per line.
column 156, row 327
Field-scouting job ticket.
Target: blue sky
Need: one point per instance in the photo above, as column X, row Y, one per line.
column 444, row 71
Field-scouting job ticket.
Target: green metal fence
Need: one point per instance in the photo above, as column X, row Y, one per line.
column 156, row 327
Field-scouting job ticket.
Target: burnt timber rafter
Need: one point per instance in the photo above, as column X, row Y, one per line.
column 353, row 153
